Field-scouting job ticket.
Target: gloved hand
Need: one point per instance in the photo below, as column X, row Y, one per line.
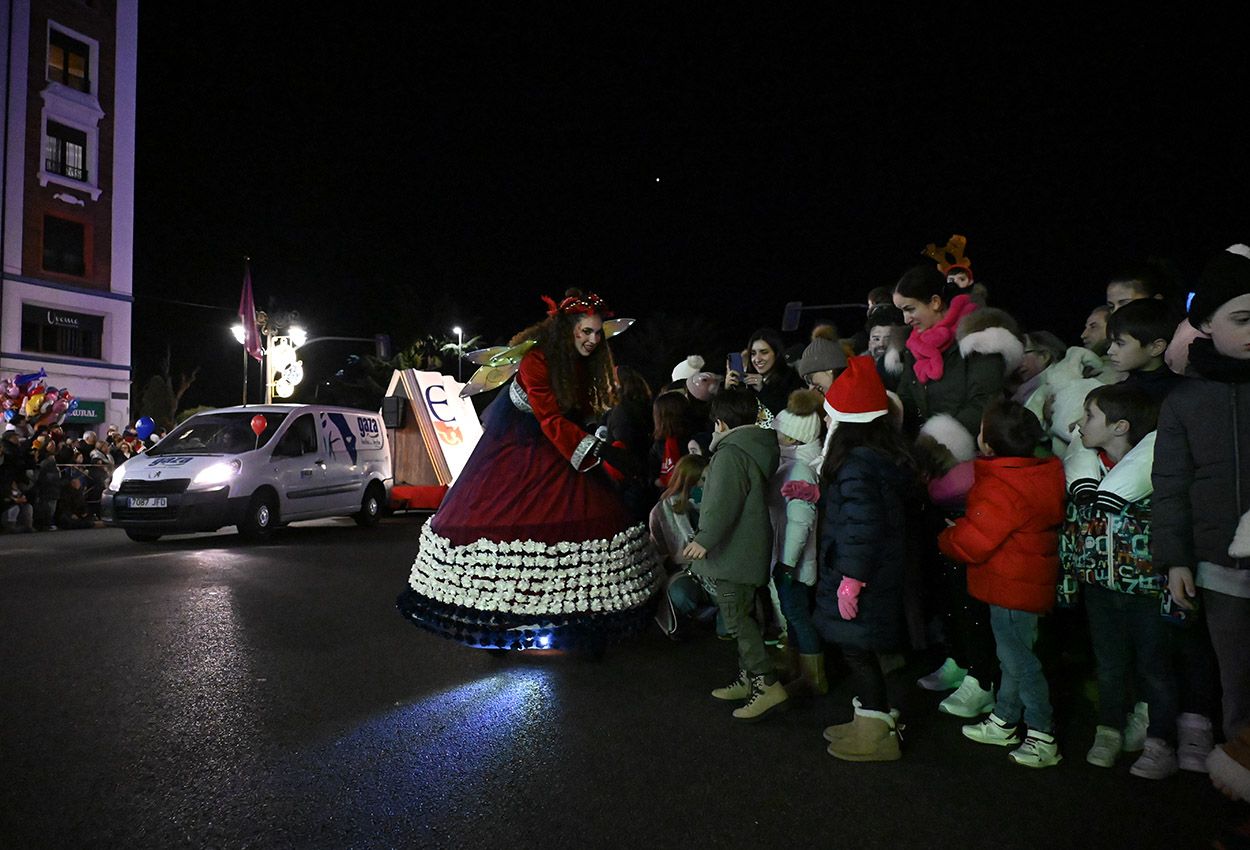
column 618, row 458
column 848, row 597
column 803, row 490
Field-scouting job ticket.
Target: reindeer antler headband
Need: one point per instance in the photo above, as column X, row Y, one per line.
column 951, row 256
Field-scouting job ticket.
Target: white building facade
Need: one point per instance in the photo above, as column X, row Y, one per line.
column 69, row 74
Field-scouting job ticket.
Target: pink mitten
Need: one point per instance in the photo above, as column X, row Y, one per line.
column 848, row 597
column 803, row 490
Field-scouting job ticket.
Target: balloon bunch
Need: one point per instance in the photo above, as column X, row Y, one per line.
column 30, row 396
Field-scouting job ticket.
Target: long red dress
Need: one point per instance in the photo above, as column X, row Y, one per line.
column 533, row 546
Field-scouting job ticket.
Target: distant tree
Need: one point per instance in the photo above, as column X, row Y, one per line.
column 363, row 379
column 161, row 396
column 157, row 402
column 184, row 415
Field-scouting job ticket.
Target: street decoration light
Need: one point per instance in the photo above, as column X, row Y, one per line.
column 459, row 332
column 283, row 368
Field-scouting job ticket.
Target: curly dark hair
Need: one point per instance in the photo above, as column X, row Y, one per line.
column 554, row 336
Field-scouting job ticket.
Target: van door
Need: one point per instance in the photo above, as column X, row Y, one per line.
column 299, row 470
column 345, row 470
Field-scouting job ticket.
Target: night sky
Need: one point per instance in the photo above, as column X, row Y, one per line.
column 434, row 166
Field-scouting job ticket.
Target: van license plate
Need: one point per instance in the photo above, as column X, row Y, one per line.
column 148, row 502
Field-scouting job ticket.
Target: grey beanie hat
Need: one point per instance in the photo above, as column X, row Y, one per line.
column 821, row 355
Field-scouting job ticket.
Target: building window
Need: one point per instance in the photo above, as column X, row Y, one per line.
column 64, row 246
column 68, row 61
column 51, row 331
column 66, row 151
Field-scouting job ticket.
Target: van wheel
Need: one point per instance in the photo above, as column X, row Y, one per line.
column 370, row 507
column 261, row 517
column 142, row 536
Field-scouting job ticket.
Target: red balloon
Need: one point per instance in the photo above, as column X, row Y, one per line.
column 259, row 422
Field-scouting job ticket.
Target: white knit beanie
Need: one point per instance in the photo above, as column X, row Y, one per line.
column 801, row 428
column 692, row 365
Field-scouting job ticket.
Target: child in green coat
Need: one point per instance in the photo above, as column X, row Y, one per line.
column 733, row 546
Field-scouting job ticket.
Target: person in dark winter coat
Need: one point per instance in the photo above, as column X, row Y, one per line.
column 866, row 479
column 958, row 354
column 47, row 487
column 1201, row 476
column 767, row 372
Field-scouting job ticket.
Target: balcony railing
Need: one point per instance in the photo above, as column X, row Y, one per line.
column 56, row 166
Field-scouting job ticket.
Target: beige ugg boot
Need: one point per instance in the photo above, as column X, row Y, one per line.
column 841, row 730
column 872, row 737
column 813, row 671
column 764, row 700
column 789, row 670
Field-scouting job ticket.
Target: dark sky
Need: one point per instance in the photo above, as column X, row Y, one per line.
column 432, row 165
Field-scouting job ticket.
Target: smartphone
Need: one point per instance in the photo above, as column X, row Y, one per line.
column 735, row 363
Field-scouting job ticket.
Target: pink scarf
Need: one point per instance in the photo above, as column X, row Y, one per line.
column 929, row 345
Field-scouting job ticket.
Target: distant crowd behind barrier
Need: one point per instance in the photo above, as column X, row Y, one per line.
column 51, row 480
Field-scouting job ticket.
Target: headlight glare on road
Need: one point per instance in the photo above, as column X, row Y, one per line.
column 218, row 473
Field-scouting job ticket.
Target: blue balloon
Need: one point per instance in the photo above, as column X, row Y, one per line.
column 23, row 380
column 73, row 405
column 144, row 427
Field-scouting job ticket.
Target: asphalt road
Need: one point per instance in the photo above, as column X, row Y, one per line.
column 200, row 692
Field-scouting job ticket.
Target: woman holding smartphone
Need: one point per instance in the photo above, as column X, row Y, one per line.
column 764, row 371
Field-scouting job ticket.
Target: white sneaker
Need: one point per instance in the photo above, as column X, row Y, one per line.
column 1108, row 743
column 1195, row 740
column 969, row 700
column 949, row 675
column 1038, row 750
column 993, row 730
column 1157, row 761
column 1135, row 724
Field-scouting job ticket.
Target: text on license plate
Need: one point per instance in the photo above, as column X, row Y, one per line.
column 148, row 501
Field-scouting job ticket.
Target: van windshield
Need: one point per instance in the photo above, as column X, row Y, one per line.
column 217, row 433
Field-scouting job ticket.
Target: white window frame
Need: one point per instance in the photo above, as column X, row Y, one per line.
column 79, row 110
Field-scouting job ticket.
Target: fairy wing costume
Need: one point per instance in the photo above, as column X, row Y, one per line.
column 532, row 546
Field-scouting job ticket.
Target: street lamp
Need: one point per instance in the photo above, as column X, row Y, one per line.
column 459, row 353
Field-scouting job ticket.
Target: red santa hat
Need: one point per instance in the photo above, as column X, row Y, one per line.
column 857, row 395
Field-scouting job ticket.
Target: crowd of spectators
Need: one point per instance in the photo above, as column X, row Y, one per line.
column 52, row 480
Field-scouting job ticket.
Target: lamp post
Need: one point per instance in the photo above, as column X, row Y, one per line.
column 459, row 332
column 241, row 335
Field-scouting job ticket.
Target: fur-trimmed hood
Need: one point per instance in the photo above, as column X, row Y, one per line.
column 892, row 360
column 946, row 432
column 1064, row 387
column 991, row 331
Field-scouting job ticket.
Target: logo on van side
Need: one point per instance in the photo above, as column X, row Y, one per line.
column 345, row 435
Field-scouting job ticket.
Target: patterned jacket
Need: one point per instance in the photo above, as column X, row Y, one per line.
column 1106, row 533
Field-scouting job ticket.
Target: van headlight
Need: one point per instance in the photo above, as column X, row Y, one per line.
column 119, row 475
column 216, row 475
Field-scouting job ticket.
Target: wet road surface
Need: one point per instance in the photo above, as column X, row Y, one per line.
column 200, row 692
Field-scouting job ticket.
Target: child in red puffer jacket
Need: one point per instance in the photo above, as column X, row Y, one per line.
column 1009, row 538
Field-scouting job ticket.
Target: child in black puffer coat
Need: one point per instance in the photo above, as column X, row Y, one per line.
column 868, row 480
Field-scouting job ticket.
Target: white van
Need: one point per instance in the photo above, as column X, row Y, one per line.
column 307, row 461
